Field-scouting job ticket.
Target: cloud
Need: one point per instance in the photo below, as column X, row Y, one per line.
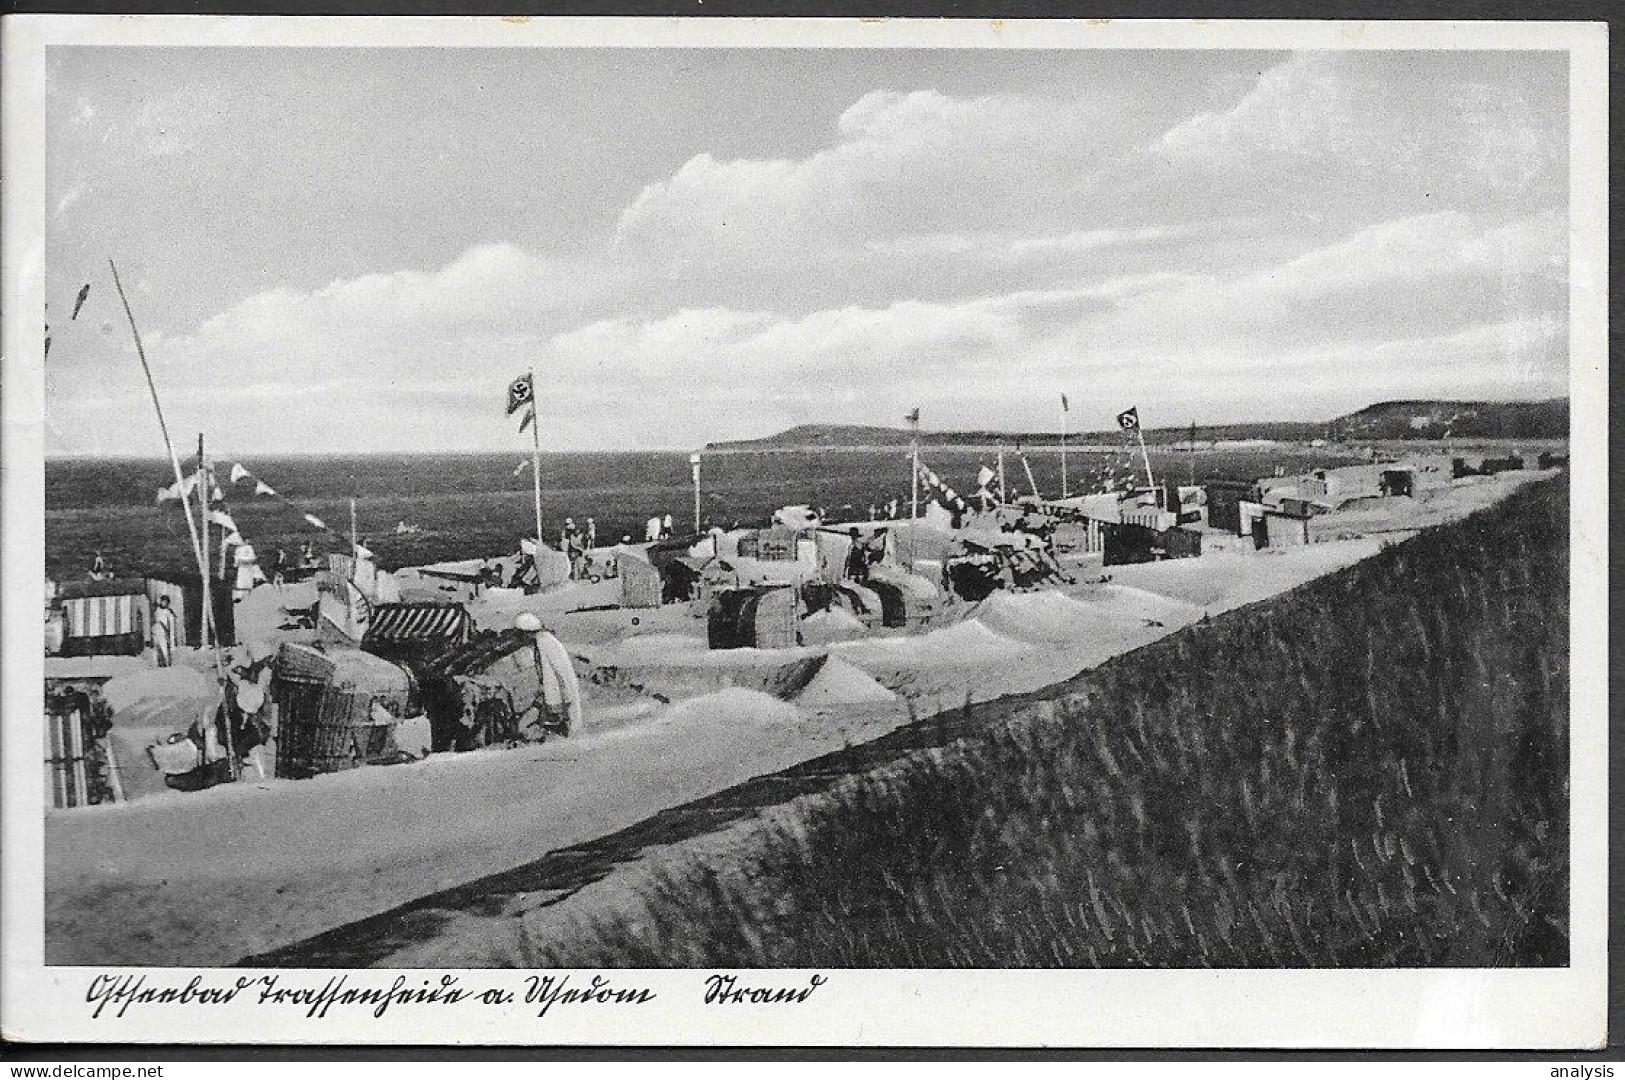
column 1338, row 125
column 1342, row 228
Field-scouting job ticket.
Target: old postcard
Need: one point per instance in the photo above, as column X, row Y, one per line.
column 804, row 532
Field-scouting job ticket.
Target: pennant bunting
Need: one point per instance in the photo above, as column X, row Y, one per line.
column 238, row 473
column 936, row 488
column 262, row 488
column 181, row 489
column 521, row 467
column 79, row 302
column 316, row 521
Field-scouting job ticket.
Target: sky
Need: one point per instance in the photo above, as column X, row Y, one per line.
column 342, row 250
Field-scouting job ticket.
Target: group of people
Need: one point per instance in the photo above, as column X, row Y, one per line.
column 280, row 565
column 578, row 545
column 657, row 528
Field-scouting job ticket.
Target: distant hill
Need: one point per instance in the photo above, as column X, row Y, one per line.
column 1458, row 419
column 1422, row 419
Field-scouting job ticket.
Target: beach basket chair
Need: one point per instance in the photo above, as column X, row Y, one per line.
column 325, row 703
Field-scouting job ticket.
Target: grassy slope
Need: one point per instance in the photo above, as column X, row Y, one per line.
column 1368, row 771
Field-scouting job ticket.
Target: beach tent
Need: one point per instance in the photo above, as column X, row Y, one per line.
column 760, row 617
column 546, row 571
column 342, row 613
column 481, row 691
column 104, row 617
column 641, row 583
column 397, row 631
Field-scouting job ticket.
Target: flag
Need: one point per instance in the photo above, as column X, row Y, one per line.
column 238, row 473
column 530, row 418
column 913, row 417
column 1129, row 419
column 521, row 392
column 262, row 488
column 224, row 520
column 316, row 521
column 1064, row 406
column 79, row 302
column 937, row 489
column 181, row 489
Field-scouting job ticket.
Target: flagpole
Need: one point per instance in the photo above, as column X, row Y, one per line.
column 1002, row 496
column 694, row 463
column 536, row 470
column 1193, row 454
column 1030, row 481
column 203, row 516
column 174, row 461
column 205, row 488
column 1063, row 445
column 1145, row 454
column 914, row 482
column 914, row 454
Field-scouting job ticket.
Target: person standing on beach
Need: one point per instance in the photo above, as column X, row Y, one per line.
column 567, row 543
column 98, row 567
column 666, row 527
column 558, row 702
column 163, row 632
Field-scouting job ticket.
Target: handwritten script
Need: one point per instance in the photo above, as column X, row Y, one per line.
column 349, row 994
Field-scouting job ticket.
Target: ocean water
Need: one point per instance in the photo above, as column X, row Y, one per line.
column 474, row 505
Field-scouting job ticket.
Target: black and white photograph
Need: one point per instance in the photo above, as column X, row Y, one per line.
column 782, row 512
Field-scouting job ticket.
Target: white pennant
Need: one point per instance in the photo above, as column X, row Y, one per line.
column 238, row 473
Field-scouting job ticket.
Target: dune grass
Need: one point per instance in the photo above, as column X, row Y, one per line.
column 1370, row 770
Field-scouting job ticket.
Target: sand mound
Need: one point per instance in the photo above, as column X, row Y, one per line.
column 833, row 624
column 969, row 642
column 841, row 683
column 734, row 707
column 1047, row 618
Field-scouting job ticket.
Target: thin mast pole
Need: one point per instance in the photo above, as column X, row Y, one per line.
column 694, row 460
column 1063, row 451
column 169, row 445
column 1193, row 454
column 203, row 515
column 914, row 478
column 1146, row 455
column 1001, row 474
column 1030, row 481
column 175, row 463
column 205, row 487
column 354, row 547
column 536, row 469
column 914, row 482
